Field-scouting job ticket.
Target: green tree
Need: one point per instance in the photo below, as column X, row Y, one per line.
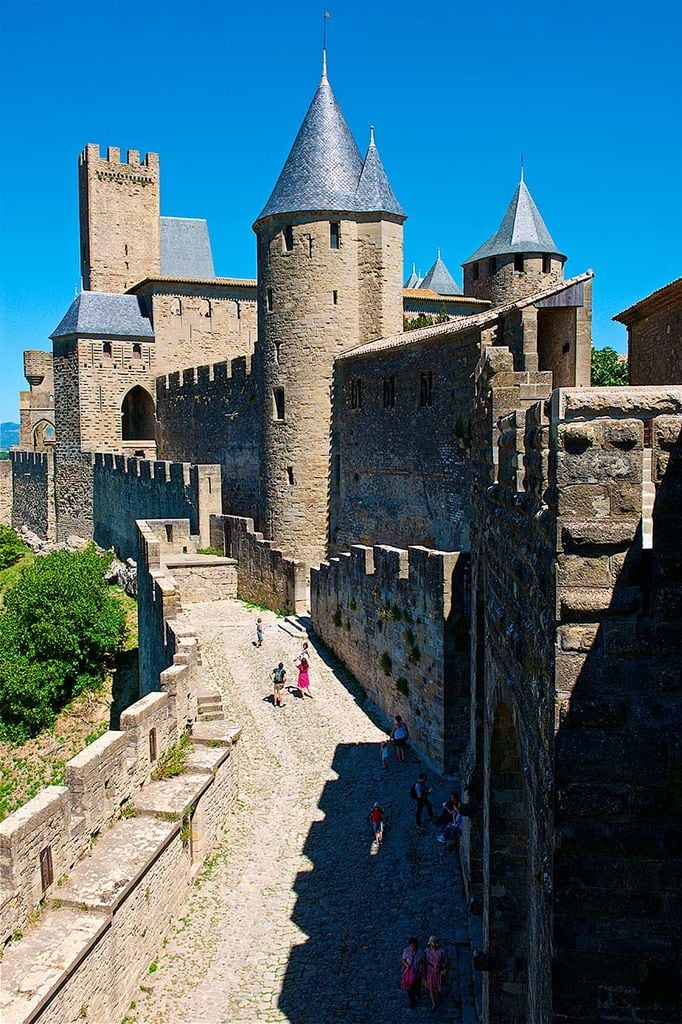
column 60, row 627
column 608, row 370
column 12, row 547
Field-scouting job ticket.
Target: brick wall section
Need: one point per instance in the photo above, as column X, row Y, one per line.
column 91, row 947
column 6, row 492
column 655, row 340
column 265, row 576
column 399, row 621
column 128, row 489
column 569, row 766
column 32, row 481
column 208, row 413
column 400, row 474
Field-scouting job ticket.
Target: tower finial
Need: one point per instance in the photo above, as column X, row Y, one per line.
column 522, row 167
column 371, row 135
column 438, row 252
column 325, row 16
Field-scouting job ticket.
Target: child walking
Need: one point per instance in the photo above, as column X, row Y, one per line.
column 259, row 633
column 384, row 754
column 376, row 816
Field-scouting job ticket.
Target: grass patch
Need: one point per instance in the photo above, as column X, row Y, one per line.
column 173, row 761
column 210, row 551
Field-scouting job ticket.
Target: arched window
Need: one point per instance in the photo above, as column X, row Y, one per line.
column 137, row 351
column 137, row 414
column 176, row 307
column 107, row 350
column 43, row 435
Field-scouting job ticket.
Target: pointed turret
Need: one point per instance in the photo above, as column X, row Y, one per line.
column 413, row 279
column 520, row 258
column 439, row 279
column 374, row 193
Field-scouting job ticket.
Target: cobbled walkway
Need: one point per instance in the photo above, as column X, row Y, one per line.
column 297, row 917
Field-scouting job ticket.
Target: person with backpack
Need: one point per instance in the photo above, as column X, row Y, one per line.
column 420, row 792
column 399, row 735
column 279, row 678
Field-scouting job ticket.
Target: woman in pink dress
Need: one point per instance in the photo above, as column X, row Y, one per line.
column 435, row 970
column 303, row 677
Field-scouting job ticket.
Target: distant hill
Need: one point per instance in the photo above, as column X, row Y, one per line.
column 9, row 435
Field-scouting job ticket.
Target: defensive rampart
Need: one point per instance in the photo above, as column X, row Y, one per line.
column 125, row 490
column 265, row 576
column 93, row 872
column 33, row 492
column 399, row 621
column 6, row 492
column 209, row 414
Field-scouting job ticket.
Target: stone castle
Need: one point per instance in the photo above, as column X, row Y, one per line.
column 488, row 542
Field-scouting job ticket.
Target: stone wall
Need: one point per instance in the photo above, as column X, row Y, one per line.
column 5, row 492
column 400, row 472
column 574, row 699
column 399, row 621
column 33, row 492
column 496, row 279
column 73, row 490
column 36, row 407
column 209, row 413
column 264, row 575
column 655, row 337
column 128, row 489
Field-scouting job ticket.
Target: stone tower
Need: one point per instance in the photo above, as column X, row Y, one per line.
column 119, row 218
column 521, row 257
column 330, row 258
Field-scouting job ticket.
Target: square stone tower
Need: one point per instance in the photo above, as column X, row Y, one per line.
column 119, row 218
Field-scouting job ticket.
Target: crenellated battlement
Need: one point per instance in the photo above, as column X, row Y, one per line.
column 22, row 457
column 112, row 163
column 183, row 381
column 146, row 469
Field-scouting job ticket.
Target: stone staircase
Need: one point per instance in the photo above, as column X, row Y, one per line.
column 210, row 706
column 648, row 498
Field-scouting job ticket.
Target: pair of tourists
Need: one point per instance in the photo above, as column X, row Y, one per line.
column 423, row 968
column 279, row 677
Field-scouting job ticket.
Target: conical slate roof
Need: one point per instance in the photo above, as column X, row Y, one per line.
column 439, row 279
column 413, row 280
column 324, row 169
column 522, row 230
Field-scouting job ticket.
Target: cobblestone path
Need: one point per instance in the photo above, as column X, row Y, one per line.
column 297, row 917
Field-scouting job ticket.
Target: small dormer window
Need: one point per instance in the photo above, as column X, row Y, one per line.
column 288, row 239
column 518, row 262
column 474, row 271
column 137, row 351
column 107, row 351
column 546, row 264
column 334, row 235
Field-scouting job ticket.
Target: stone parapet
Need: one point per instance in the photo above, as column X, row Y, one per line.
column 399, row 621
column 32, row 483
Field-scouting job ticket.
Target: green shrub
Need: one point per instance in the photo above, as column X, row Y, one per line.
column 60, row 627
column 386, row 663
column 12, row 547
column 173, row 761
column 402, row 686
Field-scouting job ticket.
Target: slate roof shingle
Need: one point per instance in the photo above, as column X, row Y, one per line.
column 185, row 248
column 522, row 230
column 103, row 314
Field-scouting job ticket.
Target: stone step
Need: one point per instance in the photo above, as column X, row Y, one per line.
column 212, row 716
column 210, row 705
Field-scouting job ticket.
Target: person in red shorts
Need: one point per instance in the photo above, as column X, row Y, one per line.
column 376, row 816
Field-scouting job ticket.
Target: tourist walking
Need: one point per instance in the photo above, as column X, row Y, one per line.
column 420, row 792
column 412, row 970
column 279, row 678
column 305, row 653
column 435, row 970
column 259, row 633
column 303, row 682
column 384, row 754
column 376, row 816
column 399, row 735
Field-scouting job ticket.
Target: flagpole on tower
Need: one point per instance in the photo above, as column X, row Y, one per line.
column 325, row 16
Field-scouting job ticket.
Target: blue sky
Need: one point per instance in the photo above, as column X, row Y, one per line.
column 590, row 95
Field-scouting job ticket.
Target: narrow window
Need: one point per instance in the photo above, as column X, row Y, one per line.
column 290, row 475
column 426, row 389
column 288, row 239
column 334, row 235
column 269, row 299
column 492, row 265
column 310, row 245
column 278, row 399
column 277, row 348
column 46, row 868
column 518, row 262
column 475, row 271
column 176, row 307
column 169, row 533
column 389, row 392
column 335, row 298
column 137, row 351
column 205, row 308
column 106, row 349
column 239, row 310
column 152, row 744
column 356, row 393
column 126, row 249
column 546, row 264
